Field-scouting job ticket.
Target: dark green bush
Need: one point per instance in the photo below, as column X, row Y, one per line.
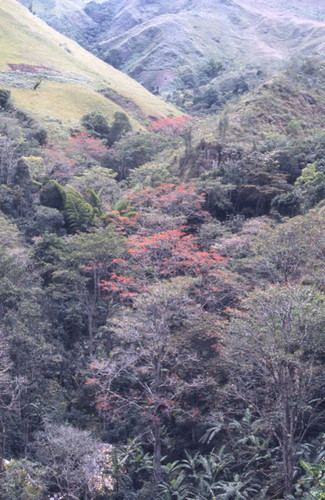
column 53, row 195
column 287, row 205
column 96, row 124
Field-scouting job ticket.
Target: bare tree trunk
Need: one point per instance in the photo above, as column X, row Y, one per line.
column 3, row 444
column 157, row 450
column 157, row 439
column 90, row 332
column 287, row 432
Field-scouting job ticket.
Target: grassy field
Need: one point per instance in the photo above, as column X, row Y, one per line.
column 72, row 78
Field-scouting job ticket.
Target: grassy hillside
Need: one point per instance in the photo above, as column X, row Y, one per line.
column 72, row 80
column 166, row 45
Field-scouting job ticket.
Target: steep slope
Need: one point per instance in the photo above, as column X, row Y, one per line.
column 167, row 44
column 72, row 81
column 289, row 105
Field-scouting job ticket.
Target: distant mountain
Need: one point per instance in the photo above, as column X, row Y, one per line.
column 58, row 81
column 186, row 44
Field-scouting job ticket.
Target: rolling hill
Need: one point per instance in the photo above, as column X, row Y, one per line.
column 166, row 45
column 58, row 81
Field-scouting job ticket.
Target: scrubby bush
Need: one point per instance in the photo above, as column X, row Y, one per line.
column 96, row 124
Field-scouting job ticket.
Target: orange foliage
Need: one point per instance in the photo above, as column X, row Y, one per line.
column 170, row 126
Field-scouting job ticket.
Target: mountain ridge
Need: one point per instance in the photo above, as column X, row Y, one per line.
column 146, row 39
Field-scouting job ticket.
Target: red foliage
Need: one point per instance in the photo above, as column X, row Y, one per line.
column 171, row 253
column 85, row 145
column 123, row 225
column 62, row 160
column 58, row 164
column 122, row 286
column 170, row 126
column 171, row 199
column 162, row 255
column 157, row 254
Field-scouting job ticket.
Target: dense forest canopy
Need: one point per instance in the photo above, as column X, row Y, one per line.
column 162, row 314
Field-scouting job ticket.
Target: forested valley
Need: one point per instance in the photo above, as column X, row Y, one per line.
column 162, row 307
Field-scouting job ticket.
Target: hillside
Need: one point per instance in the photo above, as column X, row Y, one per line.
column 167, row 45
column 290, row 104
column 73, row 81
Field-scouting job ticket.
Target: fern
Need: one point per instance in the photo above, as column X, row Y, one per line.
column 77, row 214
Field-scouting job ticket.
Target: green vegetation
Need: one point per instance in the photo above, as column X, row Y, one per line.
column 162, row 298
column 97, row 126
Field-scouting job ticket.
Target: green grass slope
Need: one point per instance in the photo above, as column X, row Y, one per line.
column 73, row 81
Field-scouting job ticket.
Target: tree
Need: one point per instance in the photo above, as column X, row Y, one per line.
column 173, row 200
column 135, row 149
column 73, row 459
column 170, row 126
column 96, row 123
column 213, row 68
column 276, row 342
column 72, row 271
column 10, row 389
column 30, row 359
column 149, row 370
column 171, row 253
column 83, row 148
column 73, row 156
column 310, row 186
column 93, row 255
column 98, row 127
column 280, row 253
column 120, row 126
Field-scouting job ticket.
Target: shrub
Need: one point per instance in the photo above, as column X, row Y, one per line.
column 288, row 204
column 53, row 195
column 96, row 123
column 46, row 220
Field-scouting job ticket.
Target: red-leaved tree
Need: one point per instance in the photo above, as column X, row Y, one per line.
column 170, row 126
column 71, row 157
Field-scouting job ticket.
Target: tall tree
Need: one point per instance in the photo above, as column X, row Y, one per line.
column 149, row 369
column 275, row 344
